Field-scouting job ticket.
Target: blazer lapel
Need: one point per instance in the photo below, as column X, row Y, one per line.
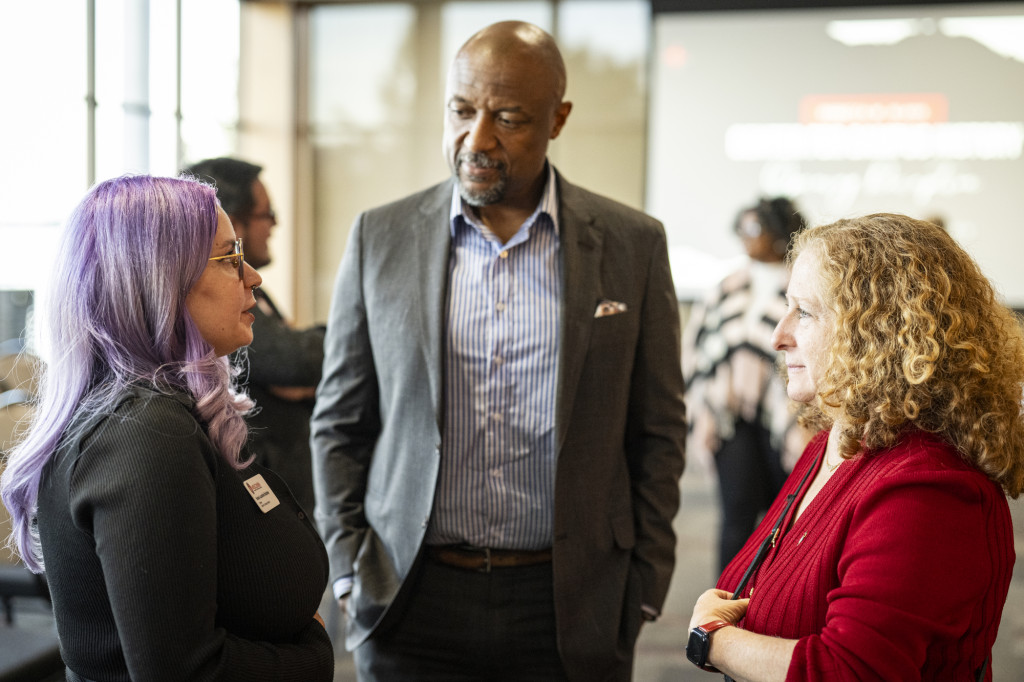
column 582, row 244
column 433, row 236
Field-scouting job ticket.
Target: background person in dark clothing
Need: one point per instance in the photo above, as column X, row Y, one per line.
column 284, row 363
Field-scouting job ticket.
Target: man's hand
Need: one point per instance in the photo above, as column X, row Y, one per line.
column 293, row 393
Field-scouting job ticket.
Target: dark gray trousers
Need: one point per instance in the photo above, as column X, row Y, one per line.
column 465, row 626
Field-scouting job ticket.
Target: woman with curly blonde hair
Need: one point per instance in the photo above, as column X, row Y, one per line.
column 889, row 551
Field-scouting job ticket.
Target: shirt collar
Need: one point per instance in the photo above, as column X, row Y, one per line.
column 548, row 204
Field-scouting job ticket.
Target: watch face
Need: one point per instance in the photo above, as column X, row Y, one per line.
column 697, row 647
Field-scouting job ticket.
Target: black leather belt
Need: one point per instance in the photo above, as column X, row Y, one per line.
column 483, row 559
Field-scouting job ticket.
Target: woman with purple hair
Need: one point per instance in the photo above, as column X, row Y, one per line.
column 168, row 555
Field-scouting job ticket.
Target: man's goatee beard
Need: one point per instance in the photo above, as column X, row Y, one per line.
column 491, row 195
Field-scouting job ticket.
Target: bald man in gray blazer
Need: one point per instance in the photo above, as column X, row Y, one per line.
column 498, row 435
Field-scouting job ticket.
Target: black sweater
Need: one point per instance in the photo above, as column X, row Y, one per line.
column 163, row 567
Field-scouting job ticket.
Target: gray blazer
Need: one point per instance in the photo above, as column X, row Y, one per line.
column 377, row 426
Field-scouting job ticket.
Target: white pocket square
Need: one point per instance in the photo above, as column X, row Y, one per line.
column 606, row 308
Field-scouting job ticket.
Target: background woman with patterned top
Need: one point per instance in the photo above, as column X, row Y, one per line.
column 740, row 416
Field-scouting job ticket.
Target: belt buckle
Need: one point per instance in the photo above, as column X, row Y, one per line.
column 486, row 568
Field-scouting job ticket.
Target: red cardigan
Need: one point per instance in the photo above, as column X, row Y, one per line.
column 897, row 570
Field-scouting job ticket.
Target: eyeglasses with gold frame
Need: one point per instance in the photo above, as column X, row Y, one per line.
column 238, row 258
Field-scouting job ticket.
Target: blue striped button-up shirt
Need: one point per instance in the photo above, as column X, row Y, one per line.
column 497, row 478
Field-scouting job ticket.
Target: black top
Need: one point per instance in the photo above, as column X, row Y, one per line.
column 161, row 564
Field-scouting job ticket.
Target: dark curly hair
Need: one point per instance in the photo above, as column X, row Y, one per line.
column 233, row 179
column 779, row 217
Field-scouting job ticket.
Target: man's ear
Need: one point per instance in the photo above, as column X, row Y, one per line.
column 561, row 114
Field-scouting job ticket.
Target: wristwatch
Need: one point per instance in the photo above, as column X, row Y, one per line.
column 699, row 643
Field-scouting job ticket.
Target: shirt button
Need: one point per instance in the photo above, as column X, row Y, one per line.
column 498, row 359
column 500, row 307
column 496, row 473
column 503, row 254
column 496, row 417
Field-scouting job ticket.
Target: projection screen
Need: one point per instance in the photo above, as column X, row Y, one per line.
column 914, row 109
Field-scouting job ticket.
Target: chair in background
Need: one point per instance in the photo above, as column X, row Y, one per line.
column 26, row 654
column 16, row 581
column 18, row 370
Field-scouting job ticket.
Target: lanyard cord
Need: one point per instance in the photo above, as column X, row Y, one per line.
column 762, row 551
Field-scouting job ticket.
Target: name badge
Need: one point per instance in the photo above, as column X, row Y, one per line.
column 261, row 493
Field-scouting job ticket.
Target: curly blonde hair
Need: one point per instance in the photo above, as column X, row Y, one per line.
column 919, row 340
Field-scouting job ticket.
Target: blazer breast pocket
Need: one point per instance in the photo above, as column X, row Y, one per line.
column 614, row 324
column 607, row 308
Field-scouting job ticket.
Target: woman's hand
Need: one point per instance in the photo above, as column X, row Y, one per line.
column 717, row 605
column 738, row 653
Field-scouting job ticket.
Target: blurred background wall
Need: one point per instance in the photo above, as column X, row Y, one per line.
column 686, row 109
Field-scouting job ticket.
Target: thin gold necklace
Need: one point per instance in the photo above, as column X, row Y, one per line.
column 825, row 458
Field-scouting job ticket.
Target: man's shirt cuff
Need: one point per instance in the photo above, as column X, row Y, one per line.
column 342, row 587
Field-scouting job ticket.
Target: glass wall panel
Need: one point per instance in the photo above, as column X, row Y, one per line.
column 362, row 78
column 368, row 125
column 209, row 78
column 460, row 20
column 163, row 96
column 45, row 132
column 122, row 129
column 605, row 46
column 43, row 168
column 136, row 83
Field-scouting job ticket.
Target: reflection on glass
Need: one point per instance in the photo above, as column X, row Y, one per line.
column 163, row 72
column 369, row 130
column 360, row 80
column 45, row 169
column 613, row 32
column 113, row 64
column 460, row 20
column 605, row 45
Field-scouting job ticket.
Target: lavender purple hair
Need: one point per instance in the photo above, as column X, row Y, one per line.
column 130, row 252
